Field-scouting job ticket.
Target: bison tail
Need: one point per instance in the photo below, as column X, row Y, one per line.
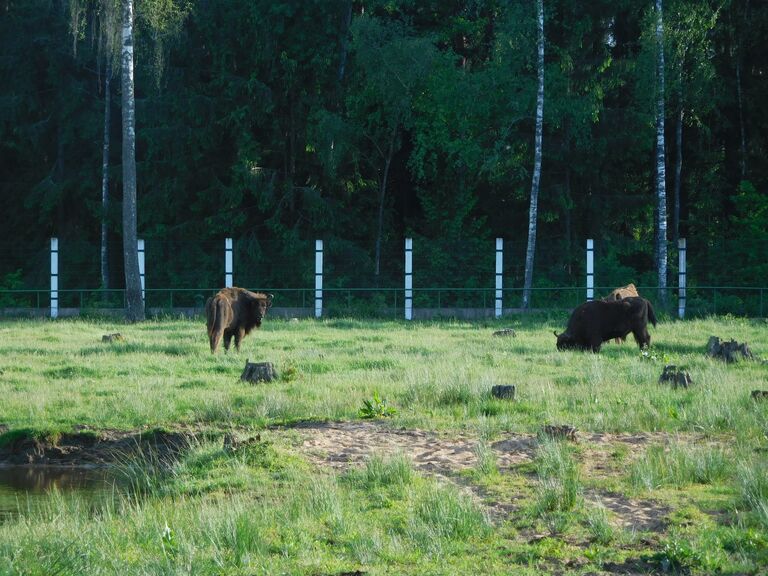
column 651, row 314
column 214, row 324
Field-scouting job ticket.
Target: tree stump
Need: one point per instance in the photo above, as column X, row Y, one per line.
column 116, row 337
column 503, row 392
column 677, row 377
column 258, row 372
column 759, row 395
column 560, row 432
column 730, row 351
column 505, row 332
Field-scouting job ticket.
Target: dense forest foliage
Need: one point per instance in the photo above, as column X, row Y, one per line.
column 364, row 122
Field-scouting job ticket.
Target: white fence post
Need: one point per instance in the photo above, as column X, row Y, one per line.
column 499, row 275
column 141, row 265
column 590, row 269
column 318, row 278
column 681, row 249
column 54, row 277
column 228, row 262
column 409, row 278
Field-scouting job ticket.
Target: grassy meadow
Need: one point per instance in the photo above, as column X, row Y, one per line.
column 661, row 479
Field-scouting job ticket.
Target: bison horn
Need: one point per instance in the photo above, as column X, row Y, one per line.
column 555, row 333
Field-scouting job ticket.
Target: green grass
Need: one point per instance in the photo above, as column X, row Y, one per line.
column 266, row 508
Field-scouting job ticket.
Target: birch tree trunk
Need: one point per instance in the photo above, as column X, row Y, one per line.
column 534, row 208
column 105, row 177
column 134, row 301
column 661, row 189
column 678, row 163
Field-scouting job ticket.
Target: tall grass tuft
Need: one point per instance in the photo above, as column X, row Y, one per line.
column 598, row 524
column 440, row 514
column 559, row 477
column 394, row 471
column 753, row 488
column 486, row 460
column 679, row 465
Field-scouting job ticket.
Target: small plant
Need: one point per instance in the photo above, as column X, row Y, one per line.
column 648, row 354
column 376, row 408
column 677, row 556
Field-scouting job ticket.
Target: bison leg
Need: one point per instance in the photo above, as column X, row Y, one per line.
column 239, row 335
column 643, row 338
column 227, row 339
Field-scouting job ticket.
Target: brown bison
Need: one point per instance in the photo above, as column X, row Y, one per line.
column 234, row 312
column 628, row 291
column 597, row 321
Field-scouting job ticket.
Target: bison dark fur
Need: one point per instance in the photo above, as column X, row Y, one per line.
column 597, row 321
column 234, row 312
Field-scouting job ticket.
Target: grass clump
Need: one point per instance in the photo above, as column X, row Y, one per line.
column 559, row 478
column 679, row 465
column 440, row 513
column 752, row 480
column 379, row 472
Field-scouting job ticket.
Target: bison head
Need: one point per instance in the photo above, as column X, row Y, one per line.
column 565, row 341
column 259, row 304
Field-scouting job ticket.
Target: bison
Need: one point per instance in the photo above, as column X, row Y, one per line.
column 234, row 312
column 627, row 291
column 595, row 322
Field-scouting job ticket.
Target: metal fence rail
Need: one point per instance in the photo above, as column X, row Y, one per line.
column 389, row 301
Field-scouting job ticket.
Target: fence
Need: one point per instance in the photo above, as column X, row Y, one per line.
column 409, row 301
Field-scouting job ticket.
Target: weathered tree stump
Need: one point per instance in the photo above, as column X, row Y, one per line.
column 560, row 432
column 730, row 351
column 677, row 377
column 505, row 332
column 116, row 337
column 503, row 392
column 258, row 372
column 759, row 395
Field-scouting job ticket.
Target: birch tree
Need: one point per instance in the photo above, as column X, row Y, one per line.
column 534, row 206
column 133, row 299
column 661, row 190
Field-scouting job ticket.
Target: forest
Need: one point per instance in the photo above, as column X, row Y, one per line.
column 365, row 122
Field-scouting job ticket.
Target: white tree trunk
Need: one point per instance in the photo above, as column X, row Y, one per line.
column 678, row 163
column 534, row 208
column 661, row 189
column 134, row 302
column 105, row 178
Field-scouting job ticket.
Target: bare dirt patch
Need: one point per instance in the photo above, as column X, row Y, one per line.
column 345, row 444
column 640, row 515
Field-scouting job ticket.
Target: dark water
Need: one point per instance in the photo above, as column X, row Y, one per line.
column 27, row 488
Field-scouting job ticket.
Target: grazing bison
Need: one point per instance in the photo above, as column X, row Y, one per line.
column 594, row 322
column 234, row 312
column 627, row 291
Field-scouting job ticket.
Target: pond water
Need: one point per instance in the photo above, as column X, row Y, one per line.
column 31, row 487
